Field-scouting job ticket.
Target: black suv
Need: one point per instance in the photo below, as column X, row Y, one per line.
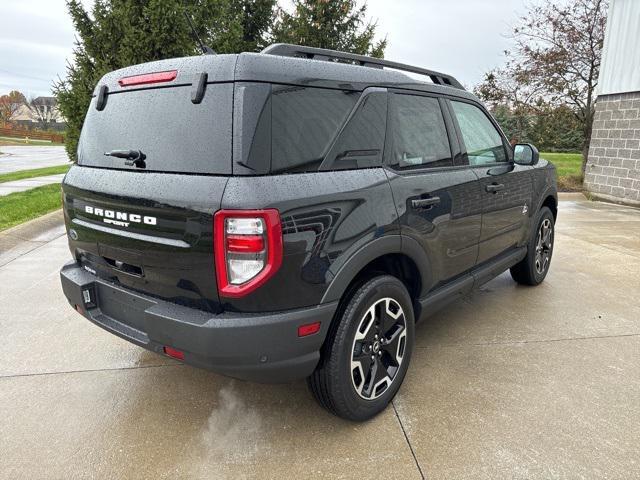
column 294, row 213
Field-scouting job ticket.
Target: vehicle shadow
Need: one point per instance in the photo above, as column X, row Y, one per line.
column 483, row 316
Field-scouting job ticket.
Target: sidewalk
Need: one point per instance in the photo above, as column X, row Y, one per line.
column 28, row 183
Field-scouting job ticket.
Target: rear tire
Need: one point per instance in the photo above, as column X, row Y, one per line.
column 533, row 268
column 368, row 350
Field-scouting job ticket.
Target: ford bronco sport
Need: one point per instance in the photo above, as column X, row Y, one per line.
column 292, row 214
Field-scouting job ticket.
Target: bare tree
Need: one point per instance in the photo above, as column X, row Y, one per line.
column 555, row 61
column 42, row 110
column 10, row 104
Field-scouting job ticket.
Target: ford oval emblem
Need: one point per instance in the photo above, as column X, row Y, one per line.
column 73, row 234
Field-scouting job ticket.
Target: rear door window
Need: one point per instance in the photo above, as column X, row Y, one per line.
column 418, row 135
column 175, row 134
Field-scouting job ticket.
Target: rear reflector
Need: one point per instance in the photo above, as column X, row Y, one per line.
column 308, row 329
column 173, row 353
column 147, row 78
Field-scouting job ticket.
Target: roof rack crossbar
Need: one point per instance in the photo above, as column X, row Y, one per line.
column 287, row 50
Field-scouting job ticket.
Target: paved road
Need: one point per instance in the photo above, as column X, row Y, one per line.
column 27, row 157
column 28, row 183
column 511, row 382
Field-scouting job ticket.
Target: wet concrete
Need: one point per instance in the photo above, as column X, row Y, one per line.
column 29, row 236
column 511, row 382
column 26, row 157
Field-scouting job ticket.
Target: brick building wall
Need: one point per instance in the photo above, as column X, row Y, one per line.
column 613, row 167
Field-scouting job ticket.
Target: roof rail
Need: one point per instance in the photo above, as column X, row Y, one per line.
column 287, row 50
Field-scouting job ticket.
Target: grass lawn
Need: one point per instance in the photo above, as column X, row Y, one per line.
column 569, row 167
column 19, row 207
column 36, row 172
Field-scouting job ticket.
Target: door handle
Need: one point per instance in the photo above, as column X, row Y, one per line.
column 494, row 187
column 425, row 202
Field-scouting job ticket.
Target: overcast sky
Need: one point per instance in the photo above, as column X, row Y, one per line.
column 462, row 37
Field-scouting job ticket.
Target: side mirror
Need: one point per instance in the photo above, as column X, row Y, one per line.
column 525, row 154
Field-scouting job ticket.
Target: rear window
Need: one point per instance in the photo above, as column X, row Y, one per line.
column 175, row 134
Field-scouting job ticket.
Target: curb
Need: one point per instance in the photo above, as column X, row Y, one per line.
column 624, row 202
column 572, row 196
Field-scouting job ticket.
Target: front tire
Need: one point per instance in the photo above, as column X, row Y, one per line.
column 367, row 353
column 533, row 268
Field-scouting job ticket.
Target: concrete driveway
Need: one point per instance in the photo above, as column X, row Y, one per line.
column 512, row 382
column 27, row 157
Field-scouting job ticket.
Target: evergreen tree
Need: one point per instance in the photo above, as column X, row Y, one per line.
column 551, row 129
column 336, row 24
column 256, row 16
column 119, row 33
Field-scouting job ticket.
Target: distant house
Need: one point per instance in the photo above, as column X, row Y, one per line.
column 42, row 111
column 613, row 167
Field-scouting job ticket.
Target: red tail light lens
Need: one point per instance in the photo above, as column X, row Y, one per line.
column 147, row 78
column 174, row 353
column 245, row 243
column 247, row 249
column 308, row 329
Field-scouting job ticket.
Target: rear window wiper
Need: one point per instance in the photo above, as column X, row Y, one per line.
column 132, row 157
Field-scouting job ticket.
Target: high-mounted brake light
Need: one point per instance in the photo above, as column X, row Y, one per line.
column 147, row 78
column 247, row 248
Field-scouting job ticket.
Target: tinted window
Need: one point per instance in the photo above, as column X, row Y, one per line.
column 174, row 134
column 481, row 138
column 361, row 142
column 252, row 128
column 418, row 136
column 304, row 123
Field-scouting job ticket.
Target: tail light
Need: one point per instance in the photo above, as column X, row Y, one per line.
column 247, row 249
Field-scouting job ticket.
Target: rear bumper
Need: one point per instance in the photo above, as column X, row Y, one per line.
column 257, row 347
